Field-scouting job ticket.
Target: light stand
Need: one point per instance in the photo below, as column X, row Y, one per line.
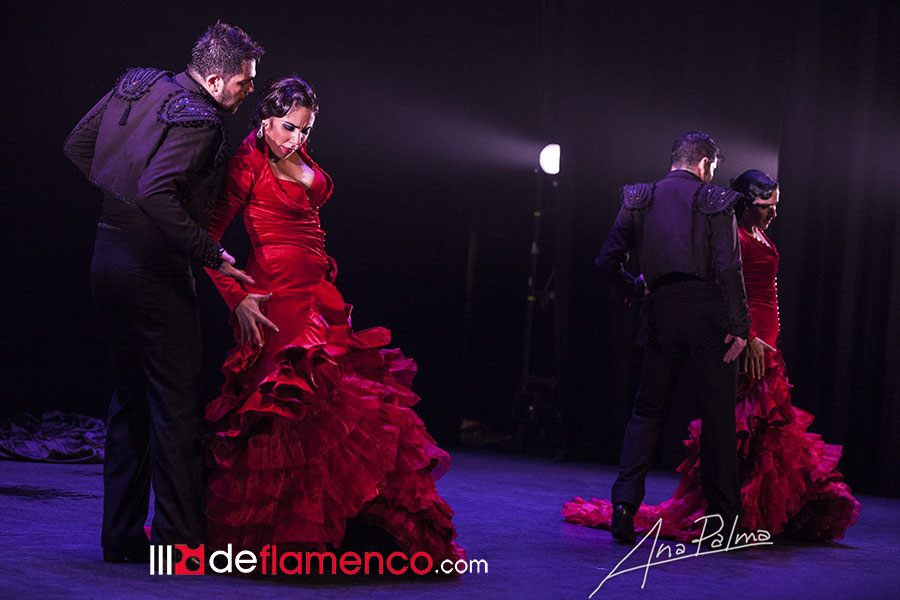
column 537, row 408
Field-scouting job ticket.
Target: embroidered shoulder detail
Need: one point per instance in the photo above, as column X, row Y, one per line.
column 188, row 109
column 134, row 83
column 638, row 196
column 712, row 199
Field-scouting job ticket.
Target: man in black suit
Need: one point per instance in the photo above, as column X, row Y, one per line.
column 686, row 237
column 156, row 147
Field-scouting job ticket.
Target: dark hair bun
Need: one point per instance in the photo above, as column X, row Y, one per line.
column 279, row 96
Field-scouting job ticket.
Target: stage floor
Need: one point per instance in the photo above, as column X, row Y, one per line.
column 507, row 513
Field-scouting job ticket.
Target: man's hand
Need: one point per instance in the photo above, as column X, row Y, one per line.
column 249, row 317
column 644, row 284
column 755, row 358
column 735, row 349
column 227, row 268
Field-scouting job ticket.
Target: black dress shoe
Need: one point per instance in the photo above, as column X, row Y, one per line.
column 139, row 554
column 623, row 523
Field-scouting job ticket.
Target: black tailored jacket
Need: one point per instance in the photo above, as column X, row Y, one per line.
column 679, row 226
column 156, row 146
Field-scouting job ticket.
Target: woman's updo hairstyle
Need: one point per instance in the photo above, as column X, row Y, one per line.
column 752, row 184
column 281, row 95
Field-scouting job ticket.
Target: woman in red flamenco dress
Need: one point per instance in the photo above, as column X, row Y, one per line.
column 789, row 481
column 314, row 431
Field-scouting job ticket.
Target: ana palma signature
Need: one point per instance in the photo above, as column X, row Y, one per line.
column 717, row 542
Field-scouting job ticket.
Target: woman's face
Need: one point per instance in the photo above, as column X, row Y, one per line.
column 762, row 211
column 285, row 134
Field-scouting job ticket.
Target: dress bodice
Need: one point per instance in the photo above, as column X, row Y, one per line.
column 276, row 211
column 760, row 267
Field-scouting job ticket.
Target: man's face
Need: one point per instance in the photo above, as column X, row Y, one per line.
column 708, row 169
column 238, row 87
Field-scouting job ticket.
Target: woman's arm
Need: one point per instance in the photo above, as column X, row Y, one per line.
column 240, row 177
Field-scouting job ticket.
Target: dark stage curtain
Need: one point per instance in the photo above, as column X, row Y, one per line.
column 840, row 173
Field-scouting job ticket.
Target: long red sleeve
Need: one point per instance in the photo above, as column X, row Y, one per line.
column 240, row 177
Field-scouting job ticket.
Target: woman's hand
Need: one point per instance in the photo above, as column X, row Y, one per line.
column 249, row 317
column 755, row 358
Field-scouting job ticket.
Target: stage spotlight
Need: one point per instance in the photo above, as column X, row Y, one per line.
column 550, row 159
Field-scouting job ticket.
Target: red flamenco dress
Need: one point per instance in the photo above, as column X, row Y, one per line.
column 315, row 428
column 789, row 481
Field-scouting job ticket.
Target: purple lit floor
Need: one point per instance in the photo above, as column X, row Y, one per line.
column 508, row 513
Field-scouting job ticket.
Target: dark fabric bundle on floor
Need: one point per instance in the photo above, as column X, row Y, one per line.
column 53, row 437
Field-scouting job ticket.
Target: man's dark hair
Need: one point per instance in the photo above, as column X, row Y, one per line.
column 222, row 51
column 693, row 146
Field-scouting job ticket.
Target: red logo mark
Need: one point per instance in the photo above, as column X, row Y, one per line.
column 187, row 566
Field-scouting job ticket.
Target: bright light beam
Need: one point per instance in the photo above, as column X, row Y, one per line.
column 550, row 159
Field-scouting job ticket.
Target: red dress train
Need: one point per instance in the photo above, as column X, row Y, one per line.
column 789, row 481
column 316, row 427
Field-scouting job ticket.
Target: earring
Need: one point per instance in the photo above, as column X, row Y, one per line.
column 260, row 133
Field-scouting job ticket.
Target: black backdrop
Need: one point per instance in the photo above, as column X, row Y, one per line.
column 432, row 117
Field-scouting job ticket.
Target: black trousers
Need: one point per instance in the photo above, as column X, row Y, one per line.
column 147, row 306
column 688, row 323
